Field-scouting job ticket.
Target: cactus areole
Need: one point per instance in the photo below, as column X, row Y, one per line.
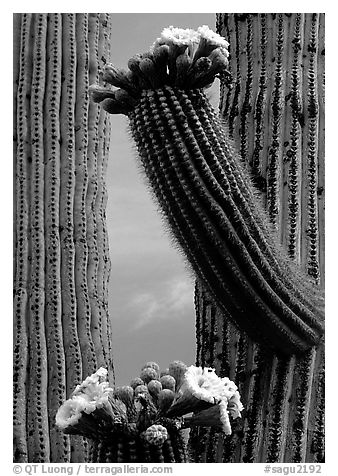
column 205, row 192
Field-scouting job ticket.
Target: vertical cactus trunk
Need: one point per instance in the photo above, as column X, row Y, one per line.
column 274, row 106
column 61, row 262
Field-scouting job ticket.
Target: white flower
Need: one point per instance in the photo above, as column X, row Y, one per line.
column 101, row 374
column 213, row 38
column 210, row 41
column 70, row 412
column 204, row 384
column 229, row 388
column 91, row 381
column 187, row 37
column 178, row 36
column 94, row 390
column 206, row 394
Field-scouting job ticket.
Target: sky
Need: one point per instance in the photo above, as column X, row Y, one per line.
column 151, row 290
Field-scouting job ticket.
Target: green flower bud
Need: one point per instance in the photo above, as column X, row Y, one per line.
column 152, row 365
column 140, row 389
column 154, row 387
column 165, row 399
column 148, row 374
column 125, row 394
column 168, row 381
column 136, row 382
column 177, row 369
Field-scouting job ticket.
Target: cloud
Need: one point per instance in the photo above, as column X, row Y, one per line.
column 172, row 300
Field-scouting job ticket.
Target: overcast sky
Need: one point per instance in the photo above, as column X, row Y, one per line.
column 151, row 292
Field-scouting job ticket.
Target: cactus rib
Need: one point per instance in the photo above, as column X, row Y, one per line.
column 20, row 343
column 37, row 423
column 83, row 310
column 59, row 447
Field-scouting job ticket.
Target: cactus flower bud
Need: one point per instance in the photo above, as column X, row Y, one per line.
column 156, row 435
column 154, row 388
column 165, row 399
column 152, row 365
column 148, row 374
column 125, row 394
column 136, row 382
column 168, row 381
column 177, row 369
column 140, row 389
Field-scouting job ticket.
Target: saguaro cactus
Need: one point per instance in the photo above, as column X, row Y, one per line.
column 216, row 217
column 274, row 106
column 61, row 322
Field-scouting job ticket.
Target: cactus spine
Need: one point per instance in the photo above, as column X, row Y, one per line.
column 277, row 120
column 56, row 290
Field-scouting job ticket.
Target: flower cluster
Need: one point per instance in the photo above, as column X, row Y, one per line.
column 182, row 58
column 211, row 398
column 200, row 43
column 92, row 408
column 152, row 404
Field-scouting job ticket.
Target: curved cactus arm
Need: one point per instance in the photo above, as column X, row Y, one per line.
column 205, row 192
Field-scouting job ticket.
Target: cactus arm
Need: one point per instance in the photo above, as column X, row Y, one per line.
column 59, row 447
column 205, row 193
column 196, row 181
column 37, row 417
column 173, row 164
column 181, row 184
column 21, row 271
column 176, row 221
